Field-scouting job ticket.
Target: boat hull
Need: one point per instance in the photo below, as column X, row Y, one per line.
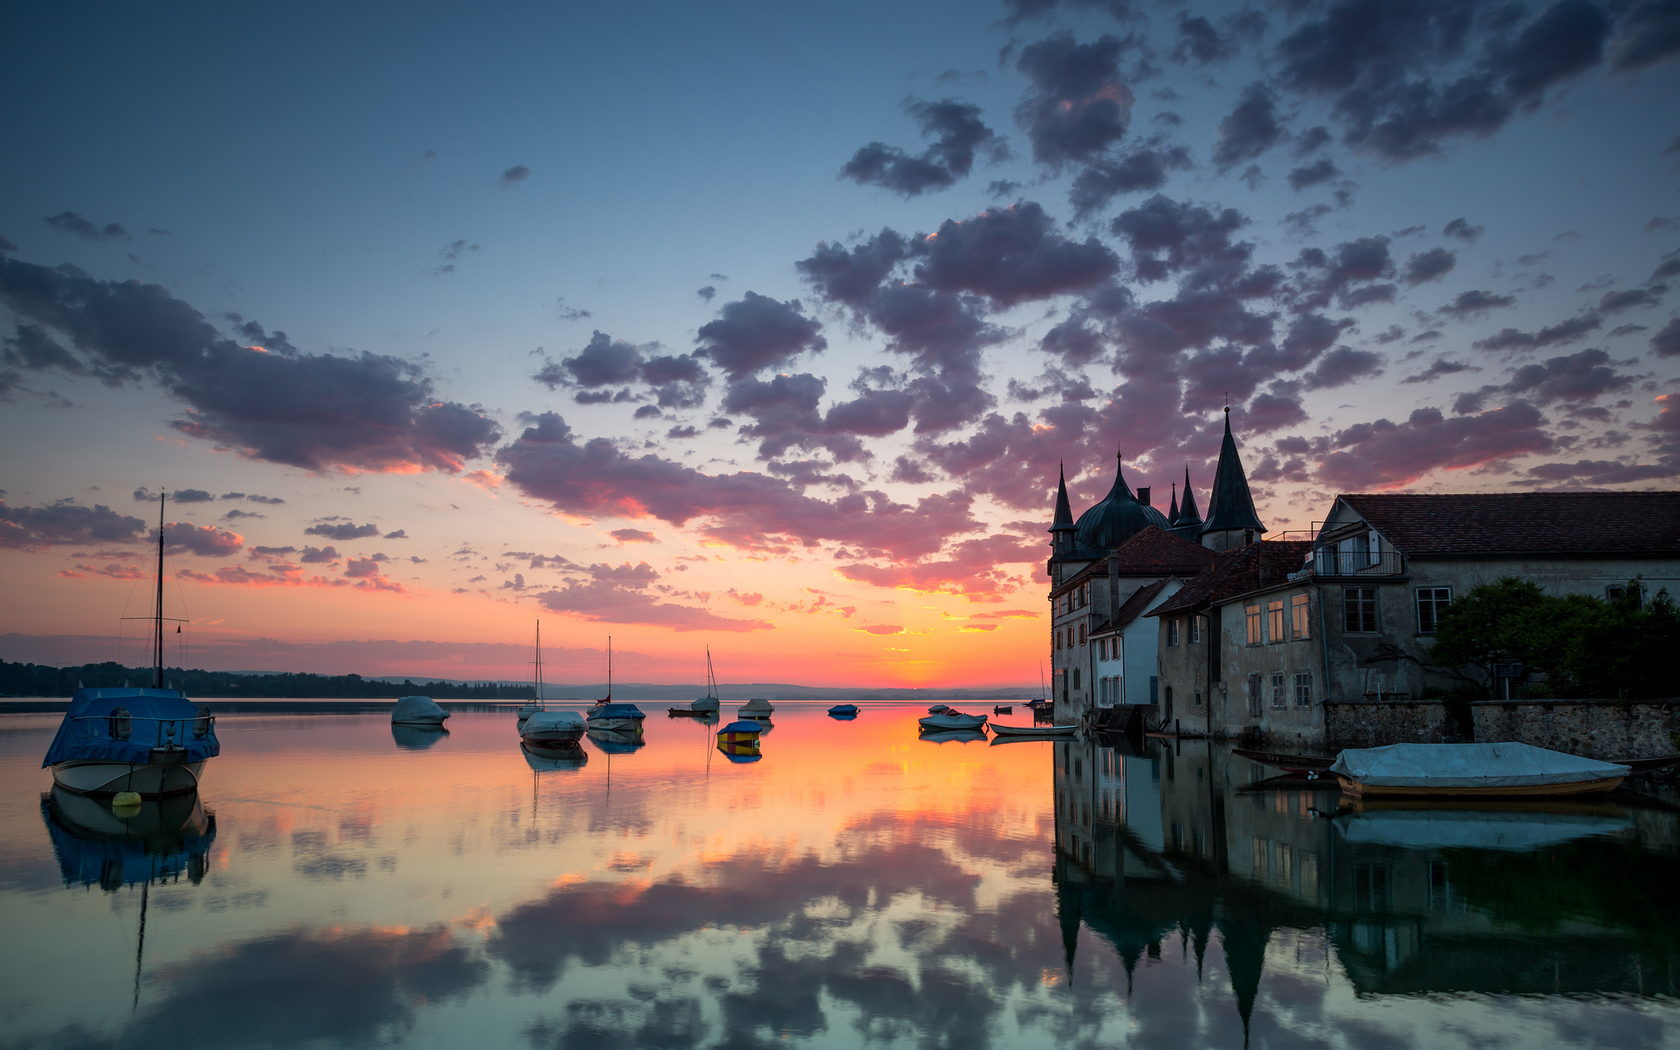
column 158, row 778
column 1597, row 786
column 617, row 725
column 552, row 737
column 951, row 723
column 1003, row 730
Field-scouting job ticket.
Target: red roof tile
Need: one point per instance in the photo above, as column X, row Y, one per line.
column 1564, row 523
column 1237, row 571
column 1152, row 552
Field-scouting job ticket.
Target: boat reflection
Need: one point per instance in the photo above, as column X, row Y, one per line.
column 952, row 736
column 617, row 741
column 554, row 759
column 101, row 845
column 1160, row 842
column 740, row 751
column 417, row 737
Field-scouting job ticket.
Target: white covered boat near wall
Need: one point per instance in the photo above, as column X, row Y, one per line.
column 1471, row 770
column 417, row 711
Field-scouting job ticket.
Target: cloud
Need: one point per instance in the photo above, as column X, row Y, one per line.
column 633, row 536
column 1012, row 255
column 316, row 412
column 70, row 222
column 397, row 534
column 1250, row 129
column 1138, row 170
column 1167, row 237
column 319, row 555
column 1078, row 107
column 1462, row 229
column 1632, row 298
column 1322, row 170
column 1342, row 366
column 956, row 131
column 618, row 594
column 881, row 629
column 745, row 509
column 342, row 531
column 1476, row 302
column 1431, row 265
column 1562, row 332
column 1649, row 33
column 970, row 568
column 204, row 540
column 756, row 332
column 64, row 523
column 1200, row 42
column 513, row 176
column 1666, row 343
column 707, row 293
column 1440, row 367
column 1580, row 376
column 1386, row 455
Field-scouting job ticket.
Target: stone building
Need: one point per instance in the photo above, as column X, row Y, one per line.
column 1270, row 632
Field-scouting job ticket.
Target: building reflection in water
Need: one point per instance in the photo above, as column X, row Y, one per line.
column 1165, row 841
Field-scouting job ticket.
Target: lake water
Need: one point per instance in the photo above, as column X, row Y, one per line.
column 343, row 884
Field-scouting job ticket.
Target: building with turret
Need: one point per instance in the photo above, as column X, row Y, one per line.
column 1117, row 562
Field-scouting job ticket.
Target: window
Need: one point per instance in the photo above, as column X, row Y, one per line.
column 1081, row 634
column 1154, row 688
column 1058, row 637
column 1278, row 697
column 1359, row 609
column 1303, row 690
column 1431, row 603
column 1102, row 648
column 1298, row 621
column 1254, row 695
column 1195, row 629
column 1198, row 698
column 1254, row 633
column 1076, row 678
column 1169, row 696
column 1274, row 620
column 1172, row 631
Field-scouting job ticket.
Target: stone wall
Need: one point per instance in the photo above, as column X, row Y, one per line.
column 1591, row 728
column 1375, row 723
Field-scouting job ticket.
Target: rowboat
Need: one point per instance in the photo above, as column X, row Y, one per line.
column 1287, row 763
column 1003, row 730
column 1507, row 770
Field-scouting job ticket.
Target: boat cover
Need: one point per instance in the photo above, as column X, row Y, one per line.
column 705, row 703
column 1459, row 766
column 843, row 709
column 756, row 705
column 156, row 717
column 952, row 720
column 417, row 709
column 1475, row 829
column 606, row 711
column 554, row 721
column 741, row 726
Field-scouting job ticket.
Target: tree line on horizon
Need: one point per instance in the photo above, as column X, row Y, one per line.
column 27, row 679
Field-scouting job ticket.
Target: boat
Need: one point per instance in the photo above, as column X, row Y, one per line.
column 740, row 731
column 418, row 711
column 709, row 703
column 951, row 720
column 740, row 752
column 757, row 707
column 617, row 741
column 1031, row 731
column 1503, row 770
column 1003, row 709
column 543, row 759
column 98, row 844
column 553, row 729
column 152, row 741
column 610, row 716
column 844, row 710
column 535, row 704
column 938, row 709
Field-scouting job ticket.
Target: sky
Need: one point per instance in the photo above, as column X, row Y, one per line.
column 766, row 327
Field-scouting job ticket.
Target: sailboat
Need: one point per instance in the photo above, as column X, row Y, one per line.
column 708, row 703
column 608, row 715
column 151, row 742
column 536, row 702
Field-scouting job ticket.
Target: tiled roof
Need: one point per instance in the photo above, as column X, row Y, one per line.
column 1582, row 523
column 1237, row 571
column 1152, row 552
column 1139, row 601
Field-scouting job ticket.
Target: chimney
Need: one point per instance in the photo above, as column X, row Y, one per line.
column 1143, row 495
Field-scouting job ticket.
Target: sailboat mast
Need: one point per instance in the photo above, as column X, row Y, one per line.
column 157, row 621
column 536, row 681
column 609, row 679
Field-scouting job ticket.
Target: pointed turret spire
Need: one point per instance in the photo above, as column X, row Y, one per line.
column 1172, row 510
column 1187, row 512
column 1064, row 510
column 1231, row 521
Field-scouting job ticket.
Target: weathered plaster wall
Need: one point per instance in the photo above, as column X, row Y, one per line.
column 1370, row 723
column 1592, row 728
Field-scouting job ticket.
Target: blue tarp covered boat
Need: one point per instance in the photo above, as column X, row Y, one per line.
column 150, row 741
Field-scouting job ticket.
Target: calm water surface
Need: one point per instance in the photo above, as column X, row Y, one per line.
column 344, row 883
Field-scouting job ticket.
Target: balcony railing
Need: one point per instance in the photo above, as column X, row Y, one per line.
column 1331, row 561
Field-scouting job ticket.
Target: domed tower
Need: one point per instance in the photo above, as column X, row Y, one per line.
column 1115, row 518
column 1231, row 521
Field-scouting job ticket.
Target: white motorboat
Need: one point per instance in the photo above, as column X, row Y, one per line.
column 757, row 707
column 153, row 742
column 553, row 728
column 535, row 704
column 417, row 711
column 1508, row 770
column 950, row 719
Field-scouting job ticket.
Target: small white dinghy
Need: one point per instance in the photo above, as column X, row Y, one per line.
column 1508, row 770
column 1003, row 730
column 417, row 711
column 553, row 728
column 950, row 719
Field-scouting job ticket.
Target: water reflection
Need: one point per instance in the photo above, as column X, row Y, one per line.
column 417, row 738
column 861, row 889
column 101, row 845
